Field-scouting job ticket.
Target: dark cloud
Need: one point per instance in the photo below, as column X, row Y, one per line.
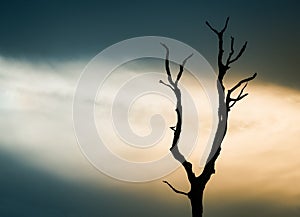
column 27, row 191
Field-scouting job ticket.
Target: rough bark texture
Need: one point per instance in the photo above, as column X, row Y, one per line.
column 226, row 102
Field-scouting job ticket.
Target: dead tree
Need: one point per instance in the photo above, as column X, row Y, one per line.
column 226, row 102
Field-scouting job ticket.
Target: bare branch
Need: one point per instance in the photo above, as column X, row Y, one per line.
column 177, row 155
column 242, row 82
column 181, row 68
column 167, row 64
column 186, row 59
column 179, row 74
column 231, row 51
column 167, row 50
column 177, row 129
column 241, row 95
column 212, row 29
column 239, row 54
column 168, row 85
column 225, row 26
column 175, row 190
column 242, row 90
column 179, row 122
column 236, row 100
column 222, row 68
column 209, row 168
column 215, row 31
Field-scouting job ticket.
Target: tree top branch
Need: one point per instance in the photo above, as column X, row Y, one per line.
column 219, row 33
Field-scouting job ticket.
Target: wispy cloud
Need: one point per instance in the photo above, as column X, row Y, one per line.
column 259, row 159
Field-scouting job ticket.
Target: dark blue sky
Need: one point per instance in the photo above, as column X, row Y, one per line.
column 62, row 30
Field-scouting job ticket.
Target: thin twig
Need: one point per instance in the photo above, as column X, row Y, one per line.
column 175, row 190
column 231, row 51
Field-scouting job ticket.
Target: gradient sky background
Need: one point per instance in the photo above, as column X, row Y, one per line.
column 44, row 45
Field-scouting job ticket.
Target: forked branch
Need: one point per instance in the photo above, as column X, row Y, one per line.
column 221, row 50
column 229, row 99
column 224, row 67
column 182, row 67
column 242, row 50
column 230, row 55
column 218, row 32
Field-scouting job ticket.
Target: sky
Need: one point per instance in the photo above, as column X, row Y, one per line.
column 45, row 45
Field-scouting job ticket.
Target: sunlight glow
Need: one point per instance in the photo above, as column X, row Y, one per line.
column 261, row 147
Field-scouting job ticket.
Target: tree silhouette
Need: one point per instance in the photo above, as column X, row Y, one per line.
column 226, row 102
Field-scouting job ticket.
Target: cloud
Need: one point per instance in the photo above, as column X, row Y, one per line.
column 257, row 169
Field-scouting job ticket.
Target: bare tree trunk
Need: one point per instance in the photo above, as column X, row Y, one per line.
column 226, row 102
column 197, row 207
column 196, row 199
